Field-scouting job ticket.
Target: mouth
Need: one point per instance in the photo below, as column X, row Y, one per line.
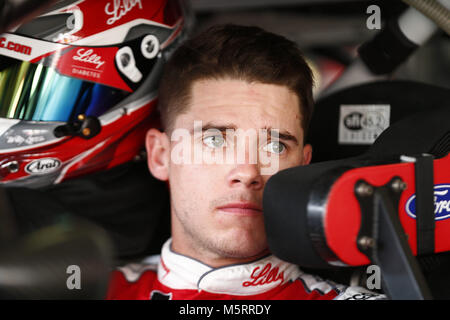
column 242, row 209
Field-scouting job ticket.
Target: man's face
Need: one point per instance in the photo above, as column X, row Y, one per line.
column 217, row 207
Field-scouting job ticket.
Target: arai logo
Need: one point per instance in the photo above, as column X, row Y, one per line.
column 441, row 203
column 43, row 166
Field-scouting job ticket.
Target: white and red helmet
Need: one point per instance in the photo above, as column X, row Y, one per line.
column 78, row 86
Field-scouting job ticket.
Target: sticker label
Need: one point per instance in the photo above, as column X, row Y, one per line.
column 441, row 203
column 42, row 166
column 362, row 124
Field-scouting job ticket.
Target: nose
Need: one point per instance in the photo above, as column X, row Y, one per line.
column 247, row 175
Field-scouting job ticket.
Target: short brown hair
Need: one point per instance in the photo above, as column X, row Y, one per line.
column 236, row 52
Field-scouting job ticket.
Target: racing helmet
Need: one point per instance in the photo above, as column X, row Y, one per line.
column 78, row 86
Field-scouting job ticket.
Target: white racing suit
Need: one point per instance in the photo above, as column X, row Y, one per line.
column 174, row 276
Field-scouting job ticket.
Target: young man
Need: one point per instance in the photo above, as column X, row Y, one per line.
column 235, row 103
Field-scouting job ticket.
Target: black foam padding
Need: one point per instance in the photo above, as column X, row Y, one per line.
column 286, row 218
column 423, row 132
column 285, row 199
column 405, row 98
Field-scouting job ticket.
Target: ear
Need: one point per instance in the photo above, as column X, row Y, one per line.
column 158, row 153
column 307, row 154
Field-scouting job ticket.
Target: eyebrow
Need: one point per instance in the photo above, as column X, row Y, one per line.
column 283, row 135
column 222, row 128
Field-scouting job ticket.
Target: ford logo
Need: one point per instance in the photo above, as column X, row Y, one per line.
column 441, row 203
column 43, row 166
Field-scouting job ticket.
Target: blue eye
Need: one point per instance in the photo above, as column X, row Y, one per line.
column 215, row 142
column 275, row 147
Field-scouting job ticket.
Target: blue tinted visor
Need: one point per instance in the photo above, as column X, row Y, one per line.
column 34, row 92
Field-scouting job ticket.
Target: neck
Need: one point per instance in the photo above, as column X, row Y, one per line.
column 208, row 257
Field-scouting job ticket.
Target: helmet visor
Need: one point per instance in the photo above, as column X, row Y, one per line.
column 35, row 92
